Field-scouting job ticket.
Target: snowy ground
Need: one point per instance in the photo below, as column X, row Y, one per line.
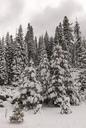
column 48, row 118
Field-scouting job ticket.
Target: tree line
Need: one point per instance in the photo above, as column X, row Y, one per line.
column 15, row 53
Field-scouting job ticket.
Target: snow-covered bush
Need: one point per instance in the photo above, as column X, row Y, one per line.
column 7, row 93
column 65, row 106
column 17, row 116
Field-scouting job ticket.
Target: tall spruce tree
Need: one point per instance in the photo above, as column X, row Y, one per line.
column 44, row 72
column 35, row 53
column 30, row 87
column 59, row 37
column 56, row 37
column 51, row 46
column 61, row 81
column 68, row 37
column 3, row 73
column 31, row 46
column 48, row 45
column 9, row 55
column 20, row 58
column 40, row 48
column 79, row 50
column 57, row 89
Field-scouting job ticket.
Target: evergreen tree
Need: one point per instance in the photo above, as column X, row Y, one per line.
column 57, row 88
column 59, row 37
column 44, row 74
column 36, row 51
column 56, row 38
column 48, row 45
column 36, row 42
column 51, row 46
column 79, row 50
column 31, row 46
column 41, row 47
column 81, row 84
column 30, row 88
column 21, row 46
column 9, row 55
column 61, row 82
column 3, row 73
column 68, row 38
column 20, row 58
column 82, row 80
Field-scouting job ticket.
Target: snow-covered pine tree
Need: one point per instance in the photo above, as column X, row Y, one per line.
column 31, row 46
column 56, row 90
column 61, row 83
column 81, row 83
column 81, row 63
column 18, row 115
column 41, row 47
column 9, row 56
column 79, row 48
column 44, row 73
column 56, row 37
column 78, row 43
column 36, row 51
column 3, row 73
column 84, row 42
column 48, row 45
column 68, row 38
column 30, row 88
column 51, row 46
column 71, row 88
column 20, row 58
column 59, row 37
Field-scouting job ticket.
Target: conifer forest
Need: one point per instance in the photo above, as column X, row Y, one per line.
column 42, row 72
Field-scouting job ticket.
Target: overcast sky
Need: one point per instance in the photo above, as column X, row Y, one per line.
column 42, row 14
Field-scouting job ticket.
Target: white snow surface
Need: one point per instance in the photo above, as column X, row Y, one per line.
column 47, row 118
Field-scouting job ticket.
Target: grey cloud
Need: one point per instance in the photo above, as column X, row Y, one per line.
column 50, row 17
column 13, row 13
